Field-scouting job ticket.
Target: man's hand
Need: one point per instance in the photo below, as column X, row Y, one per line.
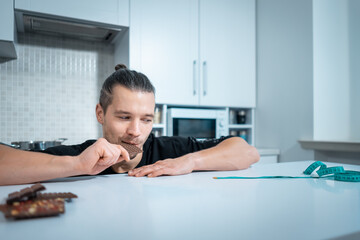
column 100, row 156
column 19, row 167
column 231, row 154
column 176, row 166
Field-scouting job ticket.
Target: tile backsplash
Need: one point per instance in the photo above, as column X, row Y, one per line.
column 50, row 91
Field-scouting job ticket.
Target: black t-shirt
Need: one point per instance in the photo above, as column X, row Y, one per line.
column 155, row 149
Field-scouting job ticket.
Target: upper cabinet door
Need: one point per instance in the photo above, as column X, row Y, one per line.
column 114, row 12
column 196, row 52
column 227, row 53
column 164, row 46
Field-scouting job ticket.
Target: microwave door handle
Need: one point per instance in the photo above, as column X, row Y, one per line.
column 194, row 77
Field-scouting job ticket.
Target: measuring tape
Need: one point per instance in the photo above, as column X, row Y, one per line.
column 336, row 173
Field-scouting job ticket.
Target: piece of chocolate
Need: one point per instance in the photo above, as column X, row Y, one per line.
column 24, row 194
column 37, row 187
column 13, row 197
column 64, row 195
column 132, row 149
column 3, row 208
column 35, row 208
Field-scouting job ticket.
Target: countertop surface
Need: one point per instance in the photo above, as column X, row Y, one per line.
column 196, row 206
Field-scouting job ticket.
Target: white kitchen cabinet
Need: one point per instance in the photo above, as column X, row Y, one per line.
column 196, row 52
column 268, row 159
column 227, row 52
column 163, row 45
column 7, row 33
column 268, row 155
column 114, row 12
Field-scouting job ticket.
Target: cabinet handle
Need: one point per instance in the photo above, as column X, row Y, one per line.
column 194, row 78
column 204, row 78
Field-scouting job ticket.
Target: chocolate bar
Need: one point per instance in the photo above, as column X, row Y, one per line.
column 3, row 208
column 132, row 149
column 29, row 203
column 25, row 193
column 64, row 195
column 34, row 208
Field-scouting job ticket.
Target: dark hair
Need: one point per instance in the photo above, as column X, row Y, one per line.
column 130, row 79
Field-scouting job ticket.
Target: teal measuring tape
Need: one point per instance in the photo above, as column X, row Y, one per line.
column 336, row 173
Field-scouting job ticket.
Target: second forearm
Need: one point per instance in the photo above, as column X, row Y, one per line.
column 231, row 154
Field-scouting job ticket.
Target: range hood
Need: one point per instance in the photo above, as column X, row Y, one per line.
column 66, row 28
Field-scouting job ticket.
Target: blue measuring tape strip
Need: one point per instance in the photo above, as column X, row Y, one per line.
column 336, row 173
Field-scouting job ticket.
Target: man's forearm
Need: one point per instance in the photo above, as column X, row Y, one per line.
column 231, row 154
column 18, row 167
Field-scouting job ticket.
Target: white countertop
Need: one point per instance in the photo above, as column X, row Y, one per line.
column 196, row 206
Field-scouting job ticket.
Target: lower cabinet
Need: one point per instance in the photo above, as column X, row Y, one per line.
column 268, row 159
column 268, row 156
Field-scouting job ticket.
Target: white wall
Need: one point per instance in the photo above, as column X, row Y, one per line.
column 284, row 111
column 308, row 76
column 336, row 70
column 50, row 91
column 337, row 76
column 331, row 70
column 354, row 41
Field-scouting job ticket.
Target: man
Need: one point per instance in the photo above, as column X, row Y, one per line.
column 126, row 112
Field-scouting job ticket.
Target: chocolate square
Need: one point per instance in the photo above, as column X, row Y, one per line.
column 132, row 149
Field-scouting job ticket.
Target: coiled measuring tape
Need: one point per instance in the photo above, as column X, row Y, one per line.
column 335, row 173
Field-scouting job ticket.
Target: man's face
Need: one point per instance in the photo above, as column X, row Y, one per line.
column 129, row 117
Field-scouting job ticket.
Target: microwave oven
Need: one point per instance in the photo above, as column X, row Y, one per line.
column 198, row 123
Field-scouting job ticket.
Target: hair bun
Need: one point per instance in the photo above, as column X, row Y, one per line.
column 120, row 66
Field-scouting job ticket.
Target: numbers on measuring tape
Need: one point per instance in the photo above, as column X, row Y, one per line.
column 330, row 170
column 313, row 167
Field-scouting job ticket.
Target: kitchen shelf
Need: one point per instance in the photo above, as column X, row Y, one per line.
column 240, row 126
column 331, row 145
column 158, row 125
column 159, row 129
column 248, row 126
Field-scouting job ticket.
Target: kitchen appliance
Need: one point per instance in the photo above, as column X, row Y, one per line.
column 37, row 145
column 63, row 27
column 198, row 123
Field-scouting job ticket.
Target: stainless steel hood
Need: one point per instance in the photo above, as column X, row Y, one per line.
column 66, row 27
